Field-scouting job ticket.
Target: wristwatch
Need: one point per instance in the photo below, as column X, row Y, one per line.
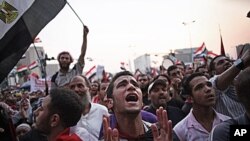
column 239, row 64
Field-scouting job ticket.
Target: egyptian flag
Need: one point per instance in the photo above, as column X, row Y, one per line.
column 91, row 72
column 33, row 65
column 20, row 23
column 201, row 51
column 22, row 68
column 211, row 54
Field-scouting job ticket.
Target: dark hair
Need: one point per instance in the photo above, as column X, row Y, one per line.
column 111, row 85
column 187, row 90
column 164, row 75
column 142, row 75
column 181, row 64
column 67, row 104
column 65, row 52
column 170, row 68
column 97, row 82
column 211, row 65
column 242, row 87
column 198, row 68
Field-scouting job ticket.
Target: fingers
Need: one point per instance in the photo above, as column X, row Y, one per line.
column 165, row 126
column 170, row 130
column 154, row 131
column 115, row 135
column 108, row 133
column 106, row 128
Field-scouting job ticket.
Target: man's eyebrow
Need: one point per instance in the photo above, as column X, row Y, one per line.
column 123, row 81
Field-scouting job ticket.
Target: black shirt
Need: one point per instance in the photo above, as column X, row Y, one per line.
column 174, row 114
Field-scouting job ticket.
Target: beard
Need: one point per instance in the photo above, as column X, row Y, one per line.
column 43, row 126
column 64, row 66
column 85, row 98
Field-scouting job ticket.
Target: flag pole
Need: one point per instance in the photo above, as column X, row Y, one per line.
column 222, row 49
column 43, row 69
column 75, row 12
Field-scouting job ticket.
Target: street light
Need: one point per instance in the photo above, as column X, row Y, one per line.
column 190, row 40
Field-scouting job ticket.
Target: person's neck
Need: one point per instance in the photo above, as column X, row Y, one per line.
column 203, row 113
column 205, row 116
column 55, row 132
column 130, row 126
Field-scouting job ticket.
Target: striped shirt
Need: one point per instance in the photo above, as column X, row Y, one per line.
column 227, row 102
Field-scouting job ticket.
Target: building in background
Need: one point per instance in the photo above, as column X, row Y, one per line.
column 146, row 62
column 32, row 63
column 184, row 54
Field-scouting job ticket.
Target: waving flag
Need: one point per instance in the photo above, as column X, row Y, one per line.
column 20, row 23
column 22, row 68
column 33, row 65
column 202, row 50
column 91, row 72
column 211, row 54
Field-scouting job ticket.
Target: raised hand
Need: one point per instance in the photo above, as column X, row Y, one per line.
column 165, row 126
column 108, row 133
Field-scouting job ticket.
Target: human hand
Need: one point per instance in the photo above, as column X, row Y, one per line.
column 85, row 31
column 165, row 126
column 108, row 133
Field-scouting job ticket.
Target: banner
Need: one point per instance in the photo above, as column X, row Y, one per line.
column 38, row 84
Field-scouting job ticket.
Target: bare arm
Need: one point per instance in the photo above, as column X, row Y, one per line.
column 84, row 46
column 227, row 77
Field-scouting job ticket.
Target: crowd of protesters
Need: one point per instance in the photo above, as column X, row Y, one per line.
column 181, row 104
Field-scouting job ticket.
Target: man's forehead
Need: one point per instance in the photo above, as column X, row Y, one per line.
column 65, row 55
column 175, row 70
column 143, row 76
column 198, row 79
column 220, row 58
column 124, row 77
column 77, row 80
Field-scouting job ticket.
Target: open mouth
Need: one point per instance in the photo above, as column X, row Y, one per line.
column 131, row 98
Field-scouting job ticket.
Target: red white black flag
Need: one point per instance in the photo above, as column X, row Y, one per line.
column 20, row 23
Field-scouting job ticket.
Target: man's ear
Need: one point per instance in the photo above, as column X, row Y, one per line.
column 55, row 120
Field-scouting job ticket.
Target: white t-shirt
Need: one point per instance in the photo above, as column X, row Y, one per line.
column 92, row 121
